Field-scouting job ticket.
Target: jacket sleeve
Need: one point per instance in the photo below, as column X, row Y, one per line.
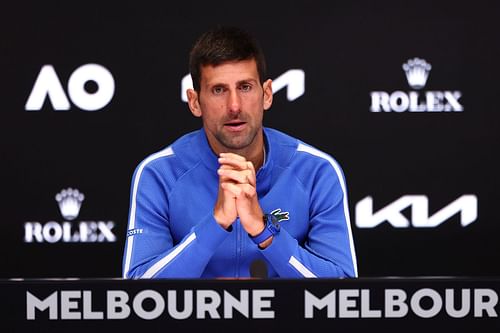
column 328, row 250
column 150, row 251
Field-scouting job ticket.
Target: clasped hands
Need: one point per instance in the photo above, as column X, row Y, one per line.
column 237, row 195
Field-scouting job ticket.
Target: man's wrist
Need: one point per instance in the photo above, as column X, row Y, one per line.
column 266, row 243
column 271, row 228
column 222, row 222
column 258, row 230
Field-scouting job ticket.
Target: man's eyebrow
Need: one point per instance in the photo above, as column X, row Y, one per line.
column 251, row 80
column 221, row 84
column 216, row 84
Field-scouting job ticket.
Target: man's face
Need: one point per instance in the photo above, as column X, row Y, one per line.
column 231, row 103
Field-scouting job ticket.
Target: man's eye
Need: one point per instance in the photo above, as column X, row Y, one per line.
column 246, row 87
column 218, row 90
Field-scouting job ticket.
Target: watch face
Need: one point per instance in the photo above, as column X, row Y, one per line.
column 274, row 223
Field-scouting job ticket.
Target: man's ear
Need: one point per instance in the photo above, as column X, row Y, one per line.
column 193, row 102
column 268, row 94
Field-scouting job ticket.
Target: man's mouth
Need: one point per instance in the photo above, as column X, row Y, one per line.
column 235, row 125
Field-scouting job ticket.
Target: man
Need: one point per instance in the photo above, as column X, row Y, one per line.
column 235, row 199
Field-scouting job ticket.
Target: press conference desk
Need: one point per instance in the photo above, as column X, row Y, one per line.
column 350, row 305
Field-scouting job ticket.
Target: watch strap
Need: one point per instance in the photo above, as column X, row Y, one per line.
column 271, row 228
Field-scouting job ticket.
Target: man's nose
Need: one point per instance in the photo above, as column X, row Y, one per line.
column 234, row 101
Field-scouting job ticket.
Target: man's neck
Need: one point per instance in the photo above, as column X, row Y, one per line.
column 257, row 159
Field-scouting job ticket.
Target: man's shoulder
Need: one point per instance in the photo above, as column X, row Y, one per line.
column 303, row 158
column 176, row 154
column 304, row 150
column 277, row 137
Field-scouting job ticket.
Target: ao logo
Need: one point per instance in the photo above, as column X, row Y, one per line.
column 48, row 85
column 293, row 80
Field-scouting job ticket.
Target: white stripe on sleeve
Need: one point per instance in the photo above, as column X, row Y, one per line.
column 131, row 222
column 153, row 270
column 336, row 167
column 301, row 268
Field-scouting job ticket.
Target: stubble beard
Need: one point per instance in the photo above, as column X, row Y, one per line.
column 236, row 142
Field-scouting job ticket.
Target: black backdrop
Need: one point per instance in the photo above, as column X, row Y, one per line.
column 347, row 51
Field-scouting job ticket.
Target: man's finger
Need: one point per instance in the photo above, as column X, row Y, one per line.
column 232, row 156
column 247, row 189
column 233, row 189
column 223, row 178
column 234, row 163
column 250, row 166
column 241, row 177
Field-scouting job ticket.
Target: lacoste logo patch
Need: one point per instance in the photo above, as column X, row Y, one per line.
column 279, row 215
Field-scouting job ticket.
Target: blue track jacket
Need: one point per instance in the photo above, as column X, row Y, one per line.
column 172, row 232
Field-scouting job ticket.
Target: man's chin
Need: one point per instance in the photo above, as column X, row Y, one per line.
column 236, row 143
column 235, row 146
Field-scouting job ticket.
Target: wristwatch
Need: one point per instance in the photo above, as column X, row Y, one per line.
column 272, row 227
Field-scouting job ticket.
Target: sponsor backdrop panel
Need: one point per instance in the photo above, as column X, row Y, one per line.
column 403, row 96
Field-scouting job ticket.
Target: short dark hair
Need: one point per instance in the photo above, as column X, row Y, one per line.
column 222, row 44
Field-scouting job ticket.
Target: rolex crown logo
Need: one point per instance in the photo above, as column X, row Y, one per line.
column 417, row 71
column 69, row 201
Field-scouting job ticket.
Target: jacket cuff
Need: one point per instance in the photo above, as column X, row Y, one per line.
column 210, row 234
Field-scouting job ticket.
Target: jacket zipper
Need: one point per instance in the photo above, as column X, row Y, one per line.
column 238, row 247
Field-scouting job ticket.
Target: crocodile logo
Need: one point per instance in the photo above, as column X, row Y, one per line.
column 279, row 215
